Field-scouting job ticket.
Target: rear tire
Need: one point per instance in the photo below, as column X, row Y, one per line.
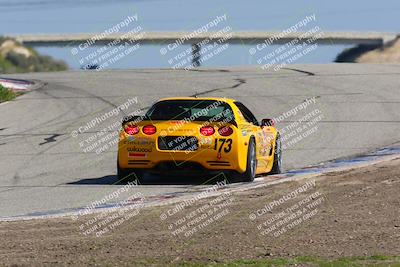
column 277, row 166
column 251, row 166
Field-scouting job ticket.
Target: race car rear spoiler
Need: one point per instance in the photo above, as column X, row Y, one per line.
column 132, row 118
column 137, row 119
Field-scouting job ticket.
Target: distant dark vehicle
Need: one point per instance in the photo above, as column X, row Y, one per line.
column 89, row 67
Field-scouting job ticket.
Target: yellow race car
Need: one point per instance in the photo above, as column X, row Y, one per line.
column 196, row 135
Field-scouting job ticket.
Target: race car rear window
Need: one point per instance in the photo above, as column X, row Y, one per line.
column 191, row 110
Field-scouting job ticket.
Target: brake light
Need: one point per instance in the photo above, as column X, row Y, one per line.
column 207, row 130
column 131, row 129
column 225, row 131
column 149, row 129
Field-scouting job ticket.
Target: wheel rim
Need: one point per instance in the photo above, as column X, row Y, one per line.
column 252, row 161
column 278, row 153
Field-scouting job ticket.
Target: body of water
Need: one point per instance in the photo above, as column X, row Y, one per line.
column 94, row 16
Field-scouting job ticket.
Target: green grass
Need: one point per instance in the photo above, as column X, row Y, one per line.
column 6, row 95
column 375, row 261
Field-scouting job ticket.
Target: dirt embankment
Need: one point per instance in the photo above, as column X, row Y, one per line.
column 389, row 53
column 348, row 214
column 16, row 58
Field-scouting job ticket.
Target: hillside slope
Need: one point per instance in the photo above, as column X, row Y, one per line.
column 389, row 53
column 16, row 58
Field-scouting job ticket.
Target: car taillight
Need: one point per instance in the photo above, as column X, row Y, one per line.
column 225, row 131
column 207, row 130
column 149, row 129
column 131, row 129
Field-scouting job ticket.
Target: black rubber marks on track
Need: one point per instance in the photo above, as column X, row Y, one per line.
column 50, row 139
column 302, row 71
column 239, row 83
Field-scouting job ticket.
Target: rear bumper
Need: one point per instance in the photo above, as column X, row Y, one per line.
column 185, row 168
column 204, row 159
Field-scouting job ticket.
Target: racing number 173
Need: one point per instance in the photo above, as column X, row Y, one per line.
column 223, row 143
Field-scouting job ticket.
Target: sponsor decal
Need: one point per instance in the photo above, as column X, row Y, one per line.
column 139, row 141
column 178, row 122
column 206, row 142
column 263, row 151
column 139, row 149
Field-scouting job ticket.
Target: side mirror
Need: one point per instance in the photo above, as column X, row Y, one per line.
column 267, row 122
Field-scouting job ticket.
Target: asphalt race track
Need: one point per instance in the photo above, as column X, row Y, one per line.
column 44, row 169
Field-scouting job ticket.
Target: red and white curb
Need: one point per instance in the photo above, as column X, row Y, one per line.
column 19, row 85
